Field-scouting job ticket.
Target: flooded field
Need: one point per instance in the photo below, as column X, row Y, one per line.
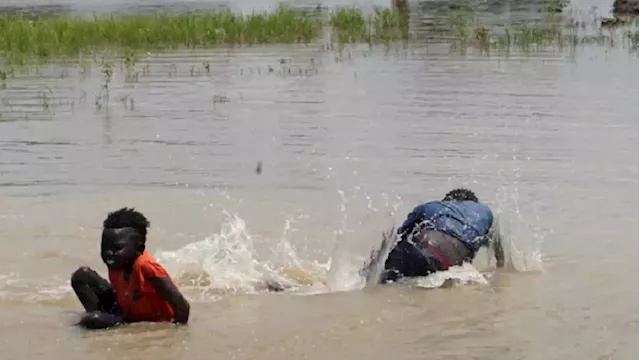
column 542, row 125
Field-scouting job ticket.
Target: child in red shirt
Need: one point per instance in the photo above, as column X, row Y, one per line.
column 140, row 289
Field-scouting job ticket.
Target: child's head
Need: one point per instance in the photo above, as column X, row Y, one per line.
column 124, row 235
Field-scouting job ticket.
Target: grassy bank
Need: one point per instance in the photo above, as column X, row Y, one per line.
column 50, row 37
column 55, row 37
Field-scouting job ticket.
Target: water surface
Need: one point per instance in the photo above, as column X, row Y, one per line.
column 349, row 143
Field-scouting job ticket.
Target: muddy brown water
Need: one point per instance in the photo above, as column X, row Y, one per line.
column 349, row 144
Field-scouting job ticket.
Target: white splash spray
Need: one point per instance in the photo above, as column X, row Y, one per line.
column 228, row 262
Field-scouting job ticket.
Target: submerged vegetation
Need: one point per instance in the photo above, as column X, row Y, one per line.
column 123, row 44
column 463, row 29
column 54, row 37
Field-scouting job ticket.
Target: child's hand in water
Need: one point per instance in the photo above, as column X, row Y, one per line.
column 99, row 320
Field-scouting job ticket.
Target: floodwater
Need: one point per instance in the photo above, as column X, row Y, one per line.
column 349, row 142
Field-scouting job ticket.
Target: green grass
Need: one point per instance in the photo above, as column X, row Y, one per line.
column 52, row 37
column 351, row 25
column 463, row 30
column 61, row 37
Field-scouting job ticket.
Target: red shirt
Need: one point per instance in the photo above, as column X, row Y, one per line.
column 137, row 298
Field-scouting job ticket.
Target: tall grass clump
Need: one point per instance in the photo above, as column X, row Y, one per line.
column 49, row 37
column 633, row 38
column 466, row 31
column 385, row 24
column 349, row 25
column 390, row 24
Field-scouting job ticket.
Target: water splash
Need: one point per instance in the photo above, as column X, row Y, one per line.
column 228, row 262
column 235, row 260
column 455, row 275
column 522, row 241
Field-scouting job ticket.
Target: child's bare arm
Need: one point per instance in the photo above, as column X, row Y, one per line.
column 170, row 293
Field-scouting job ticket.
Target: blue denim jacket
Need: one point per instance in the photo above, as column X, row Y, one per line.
column 467, row 221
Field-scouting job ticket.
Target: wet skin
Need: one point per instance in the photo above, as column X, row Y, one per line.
column 119, row 250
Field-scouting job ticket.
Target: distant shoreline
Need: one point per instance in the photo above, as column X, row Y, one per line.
column 27, row 38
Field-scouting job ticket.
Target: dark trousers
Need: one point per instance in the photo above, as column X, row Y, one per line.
column 422, row 255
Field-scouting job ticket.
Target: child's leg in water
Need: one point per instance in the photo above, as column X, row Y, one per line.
column 97, row 297
column 94, row 292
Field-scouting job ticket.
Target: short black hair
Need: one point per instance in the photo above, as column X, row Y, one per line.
column 460, row 194
column 127, row 217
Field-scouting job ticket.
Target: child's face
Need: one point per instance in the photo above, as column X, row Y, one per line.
column 119, row 247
